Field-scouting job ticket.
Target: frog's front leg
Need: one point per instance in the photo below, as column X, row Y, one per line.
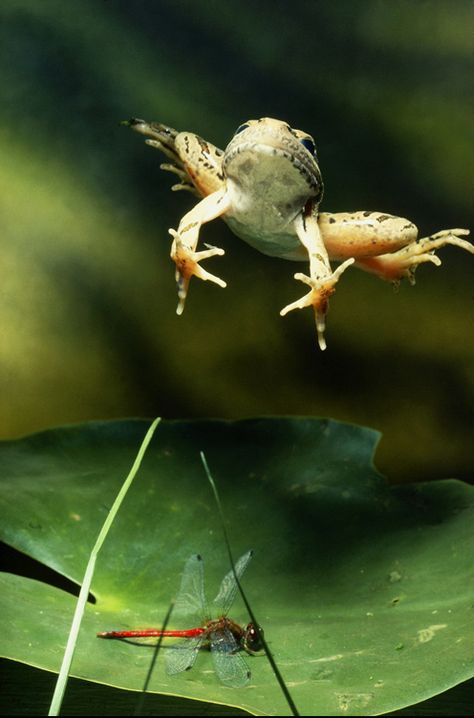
column 322, row 279
column 185, row 239
column 395, row 266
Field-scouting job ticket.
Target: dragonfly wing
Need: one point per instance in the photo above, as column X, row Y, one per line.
column 191, row 599
column 228, row 587
column 231, row 667
column 180, row 658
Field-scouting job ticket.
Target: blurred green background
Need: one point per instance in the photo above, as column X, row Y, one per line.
column 87, row 310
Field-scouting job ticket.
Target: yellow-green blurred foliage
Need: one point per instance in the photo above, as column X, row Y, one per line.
column 87, row 302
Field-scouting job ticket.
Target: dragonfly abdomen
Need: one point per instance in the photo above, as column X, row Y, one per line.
column 153, row 633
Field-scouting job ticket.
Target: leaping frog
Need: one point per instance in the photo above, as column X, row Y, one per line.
column 267, row 187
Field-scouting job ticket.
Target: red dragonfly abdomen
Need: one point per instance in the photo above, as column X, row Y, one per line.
column 153, row 633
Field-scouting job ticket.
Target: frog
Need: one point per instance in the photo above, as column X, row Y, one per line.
column 267, row 186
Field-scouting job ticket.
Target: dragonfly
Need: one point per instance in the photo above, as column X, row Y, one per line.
column 225, row 638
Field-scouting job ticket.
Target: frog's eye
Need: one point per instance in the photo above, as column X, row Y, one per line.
column 309, row 144
column 241, row 128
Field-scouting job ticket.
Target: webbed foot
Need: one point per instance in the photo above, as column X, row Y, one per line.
column 317, row 297
column 424, row 249
column 403, row 263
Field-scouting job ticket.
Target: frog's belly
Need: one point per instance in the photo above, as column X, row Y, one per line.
column 265, row 218
column 275, row 243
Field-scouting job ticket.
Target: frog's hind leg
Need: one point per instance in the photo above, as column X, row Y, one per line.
column 163, row 138
column 322, row 279
column 401, row 264
column 185, row 240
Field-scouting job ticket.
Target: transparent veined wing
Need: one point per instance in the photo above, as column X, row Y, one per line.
column 181, row 657
column 228, row 587
column 191, row 599
column 229, row 663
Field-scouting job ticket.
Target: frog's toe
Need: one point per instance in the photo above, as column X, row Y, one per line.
column 182, row 285
column 320, row 319
column 211, row 251
column 306, row 301
column 208, row 277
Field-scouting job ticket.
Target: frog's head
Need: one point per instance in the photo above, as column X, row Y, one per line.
column 274, row 144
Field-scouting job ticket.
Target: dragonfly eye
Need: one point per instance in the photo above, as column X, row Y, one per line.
column 252, row 641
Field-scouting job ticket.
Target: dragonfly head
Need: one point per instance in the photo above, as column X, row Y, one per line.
column 252, row 638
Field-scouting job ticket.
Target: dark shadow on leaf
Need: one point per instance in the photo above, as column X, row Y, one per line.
column 20, row 564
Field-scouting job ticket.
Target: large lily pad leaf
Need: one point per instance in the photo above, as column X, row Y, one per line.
column 366, row 592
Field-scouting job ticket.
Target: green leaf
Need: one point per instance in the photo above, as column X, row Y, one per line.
column 365, row 591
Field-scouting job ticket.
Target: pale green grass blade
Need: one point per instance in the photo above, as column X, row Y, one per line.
column 87, row 580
